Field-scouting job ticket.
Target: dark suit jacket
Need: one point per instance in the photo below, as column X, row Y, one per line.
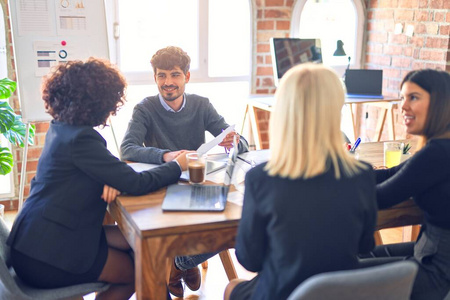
column 61, row 221
column 293, row 229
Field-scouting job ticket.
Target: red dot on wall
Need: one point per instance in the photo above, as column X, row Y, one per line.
column 63, row 43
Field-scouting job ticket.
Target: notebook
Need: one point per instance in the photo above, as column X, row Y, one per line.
column 183, row 197
column 361, row 83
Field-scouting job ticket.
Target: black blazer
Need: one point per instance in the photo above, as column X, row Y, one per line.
column 61, row 221
column 293, row 229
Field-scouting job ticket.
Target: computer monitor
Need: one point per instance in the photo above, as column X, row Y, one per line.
column 288, row 52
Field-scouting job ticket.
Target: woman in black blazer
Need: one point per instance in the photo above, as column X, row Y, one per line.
column 311, row 208
column 58, row 238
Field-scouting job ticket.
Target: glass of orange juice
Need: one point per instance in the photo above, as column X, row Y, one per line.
column 392, row 153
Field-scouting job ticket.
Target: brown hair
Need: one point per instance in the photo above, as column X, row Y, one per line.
column 437, row 84
column 170, row 57
column 84, row 93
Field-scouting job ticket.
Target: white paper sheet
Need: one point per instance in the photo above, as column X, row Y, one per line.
column 211, row 144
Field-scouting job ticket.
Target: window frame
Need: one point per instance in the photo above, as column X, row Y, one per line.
column 199, row 75
column 4, row 73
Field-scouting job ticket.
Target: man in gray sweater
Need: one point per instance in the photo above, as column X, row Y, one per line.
column 163, row 126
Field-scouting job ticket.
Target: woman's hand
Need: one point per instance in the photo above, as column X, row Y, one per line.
column 181, row 159
column 109, row 194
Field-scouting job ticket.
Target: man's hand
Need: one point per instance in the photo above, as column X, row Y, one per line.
column 228, row 140
column 109, row 194
column 169, row 156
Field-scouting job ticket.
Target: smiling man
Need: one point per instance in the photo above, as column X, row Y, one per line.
column 164, row 125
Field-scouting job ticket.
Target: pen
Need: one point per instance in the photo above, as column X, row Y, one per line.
column 355, row 145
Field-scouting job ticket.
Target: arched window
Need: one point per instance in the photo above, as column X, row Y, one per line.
column 332, row 20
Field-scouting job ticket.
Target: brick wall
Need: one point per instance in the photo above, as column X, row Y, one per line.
column 397, row 54
column 273, row 19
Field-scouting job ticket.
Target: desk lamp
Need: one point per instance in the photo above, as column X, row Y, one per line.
column 341, row 52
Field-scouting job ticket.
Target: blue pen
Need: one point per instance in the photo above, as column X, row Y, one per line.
column 355, row 145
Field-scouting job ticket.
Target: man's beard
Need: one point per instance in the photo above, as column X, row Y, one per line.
column 168, row 96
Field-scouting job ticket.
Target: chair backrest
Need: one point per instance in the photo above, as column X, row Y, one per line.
column 447, row 297
column 11, row 287
column 8, row 286
column 391, row 281
column 4, row 249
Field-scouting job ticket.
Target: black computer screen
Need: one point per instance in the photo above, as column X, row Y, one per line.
column 364, row 82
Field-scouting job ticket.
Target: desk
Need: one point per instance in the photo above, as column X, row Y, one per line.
column 158, row 237
column 265, row 103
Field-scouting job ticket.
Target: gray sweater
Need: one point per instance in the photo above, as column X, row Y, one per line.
column 153, row 131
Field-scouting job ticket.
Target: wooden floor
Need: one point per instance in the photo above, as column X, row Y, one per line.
column 214, row 278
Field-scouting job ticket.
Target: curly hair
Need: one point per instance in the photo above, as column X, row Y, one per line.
column 84, row 93
column 170, row 57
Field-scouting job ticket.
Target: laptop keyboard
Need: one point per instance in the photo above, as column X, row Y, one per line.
column 202, row 196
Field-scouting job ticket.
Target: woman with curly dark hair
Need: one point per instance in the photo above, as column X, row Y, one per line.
column 58, row 238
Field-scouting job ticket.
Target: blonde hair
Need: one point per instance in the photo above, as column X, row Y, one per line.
column 304, row 134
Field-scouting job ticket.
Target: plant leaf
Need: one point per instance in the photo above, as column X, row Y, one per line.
column 7, row 87
column 16, row 134
column 7, row 116
column 406, row 148
column 6, row 161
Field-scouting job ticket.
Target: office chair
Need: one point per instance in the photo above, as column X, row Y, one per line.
column 11, row 287
column 391, row 281
column 447, row 297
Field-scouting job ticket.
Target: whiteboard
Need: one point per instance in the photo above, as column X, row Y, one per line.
column 48, row 32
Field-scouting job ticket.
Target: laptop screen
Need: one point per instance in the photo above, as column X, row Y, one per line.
column 288, row 52
column 364, row 82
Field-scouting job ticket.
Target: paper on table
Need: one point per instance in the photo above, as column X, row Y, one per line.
column 211, row 144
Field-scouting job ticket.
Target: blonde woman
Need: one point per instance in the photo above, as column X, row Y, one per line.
column 311, row 208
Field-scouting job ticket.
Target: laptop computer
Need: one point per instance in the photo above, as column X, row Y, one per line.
column 361, row 83
column 184, row 197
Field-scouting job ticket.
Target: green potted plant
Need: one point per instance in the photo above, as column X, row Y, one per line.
column 11, row 126
column 405, row 152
